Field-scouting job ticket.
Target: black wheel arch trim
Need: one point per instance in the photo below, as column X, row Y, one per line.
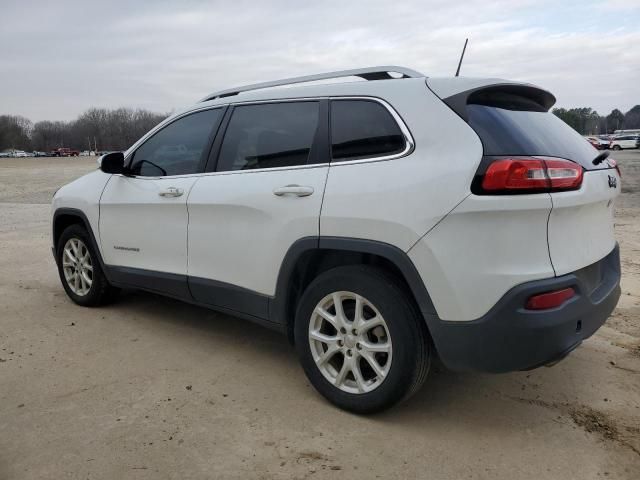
column 278, row 304
column 74, row 212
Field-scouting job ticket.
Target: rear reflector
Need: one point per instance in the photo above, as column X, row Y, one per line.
column 547, row 300
column 529, row 175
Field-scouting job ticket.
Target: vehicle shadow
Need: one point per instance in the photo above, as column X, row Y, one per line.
column 447, row 399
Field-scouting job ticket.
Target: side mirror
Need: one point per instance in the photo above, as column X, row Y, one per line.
column 112, row 163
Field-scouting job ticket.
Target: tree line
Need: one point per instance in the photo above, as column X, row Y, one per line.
column 589, row 122
column 96, row 129
column 117, row 129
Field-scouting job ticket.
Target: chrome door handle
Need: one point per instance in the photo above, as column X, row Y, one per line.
column 171, row 192
column 298, row 190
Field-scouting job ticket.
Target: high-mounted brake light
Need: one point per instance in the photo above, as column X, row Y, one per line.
column 526, row 175
column 544, row 301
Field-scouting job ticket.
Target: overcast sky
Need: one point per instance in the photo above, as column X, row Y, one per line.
column 58, row 58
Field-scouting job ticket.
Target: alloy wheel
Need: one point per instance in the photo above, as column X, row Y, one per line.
column 77, row 266
column 350, row 342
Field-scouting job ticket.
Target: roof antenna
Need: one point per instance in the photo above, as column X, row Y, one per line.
column 461, row 57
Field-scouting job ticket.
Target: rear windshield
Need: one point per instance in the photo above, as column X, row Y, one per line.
column 520, row 131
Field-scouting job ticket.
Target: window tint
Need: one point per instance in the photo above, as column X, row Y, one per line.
column 525, row 132
column 363, row 129
column 177, row 148
column 269, row 135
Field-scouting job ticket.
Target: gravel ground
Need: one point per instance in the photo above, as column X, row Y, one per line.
column 150, row 388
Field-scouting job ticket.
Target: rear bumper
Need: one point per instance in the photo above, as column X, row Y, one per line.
column 509, row 337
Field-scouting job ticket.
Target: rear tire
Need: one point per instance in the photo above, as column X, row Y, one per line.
column 379, row 356
column 80, row 271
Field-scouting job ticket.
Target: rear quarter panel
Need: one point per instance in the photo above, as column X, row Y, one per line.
column 397, row 201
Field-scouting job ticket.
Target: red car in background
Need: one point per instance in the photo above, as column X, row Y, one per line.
column 599, row 143
column 64, row 152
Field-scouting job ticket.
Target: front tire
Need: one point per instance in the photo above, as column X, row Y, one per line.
column 361, row 341
column 79, row 269
column 617, row 147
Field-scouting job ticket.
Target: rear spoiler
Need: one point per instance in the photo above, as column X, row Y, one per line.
column 507, row 95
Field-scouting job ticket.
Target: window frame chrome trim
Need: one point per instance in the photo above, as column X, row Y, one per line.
column 410, row 144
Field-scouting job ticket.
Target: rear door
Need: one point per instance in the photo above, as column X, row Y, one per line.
column 143, row 215
column 580, row 226
column 262, row 195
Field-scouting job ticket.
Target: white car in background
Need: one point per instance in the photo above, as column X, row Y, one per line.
column 20, row 153
column 376, row 223
column 625, row 141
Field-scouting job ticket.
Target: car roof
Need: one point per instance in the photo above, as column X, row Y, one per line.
column 373, row 81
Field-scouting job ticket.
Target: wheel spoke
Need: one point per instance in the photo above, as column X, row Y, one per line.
column 370, row 359
column 74, row 247
column 376, row 347
column 342, row 373
column 68, row 274
column 337, row 303
column 357, row 374
column 69, row 255
column 358, row 314
column 85, row 279
column 76, row 281
column 326, row 356
column 327, row 316
column 321, row 337
column 372, row 323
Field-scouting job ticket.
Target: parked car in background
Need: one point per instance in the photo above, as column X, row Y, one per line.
column 625, row 141
column 85, row 153
column 64, row 152
column 5, row 154
column 376, row 223
column 40, row 154
column 20, row 153
column 599, row 142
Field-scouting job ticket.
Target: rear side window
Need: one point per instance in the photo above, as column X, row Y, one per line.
column 269, row 135
column 176, row 149
column 512, row 126
column 363, row 129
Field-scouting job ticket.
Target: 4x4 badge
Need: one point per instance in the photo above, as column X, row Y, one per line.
column 613, row 182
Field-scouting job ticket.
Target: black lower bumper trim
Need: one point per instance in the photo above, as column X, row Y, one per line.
column 509, row 337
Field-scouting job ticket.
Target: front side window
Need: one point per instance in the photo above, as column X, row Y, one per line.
column 176, row 149
column 363, row 129
column 269, row 135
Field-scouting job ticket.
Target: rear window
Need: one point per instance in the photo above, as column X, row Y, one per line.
column 526, row 129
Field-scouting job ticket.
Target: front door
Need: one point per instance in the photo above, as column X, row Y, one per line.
column 143, row 215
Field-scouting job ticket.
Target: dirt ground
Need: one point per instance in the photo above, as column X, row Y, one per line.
column 151, row 388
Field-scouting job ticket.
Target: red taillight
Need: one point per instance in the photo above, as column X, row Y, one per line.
column 547, row 300
column 563, row 174
column 531, row 174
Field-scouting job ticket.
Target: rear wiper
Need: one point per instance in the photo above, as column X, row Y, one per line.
column 600, row 158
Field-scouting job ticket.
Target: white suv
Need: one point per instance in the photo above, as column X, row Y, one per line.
column 377, row 223
column 625, row 141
